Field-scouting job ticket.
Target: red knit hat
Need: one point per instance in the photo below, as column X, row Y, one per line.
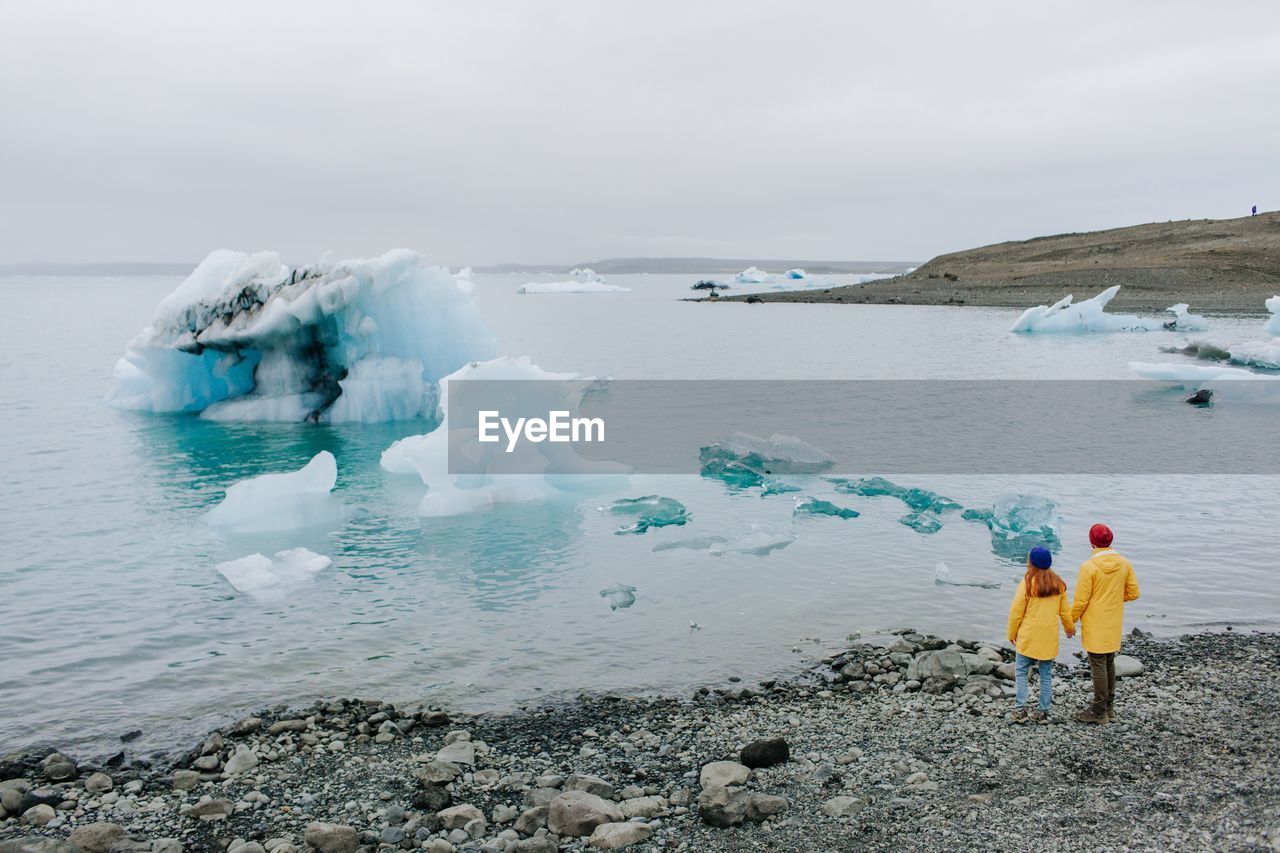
column 1100, row 536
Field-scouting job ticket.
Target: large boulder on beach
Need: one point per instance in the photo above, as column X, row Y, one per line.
column 38, row 815
column 457, row 817
column 331, row 837
column 942, row 664
column 579, row 813
column 56, row 767
column 761, row 807
column 721, row 774
column 97, row 837
column 1128, row 666
column 765, row 752
column 590, row 784
column 843, row 806
column 723, row 806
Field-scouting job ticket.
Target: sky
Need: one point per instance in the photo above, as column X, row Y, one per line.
column 558, row 132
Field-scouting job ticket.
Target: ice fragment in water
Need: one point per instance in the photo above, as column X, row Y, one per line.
column 1018, row 523
column 692, row 543
column 760, row 541
column 926, row 506
column 619, row 595
column 1087, row 316
column 814, row 506
column 245, row 337
column 797, row 273
column 257, row 573
column 751, row 275
column 1183, row 321
column 744, row 461
column 650, row 511
column 281, row 501
column 942, row 577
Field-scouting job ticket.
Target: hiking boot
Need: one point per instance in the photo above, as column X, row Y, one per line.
column 1038, row 716
column 1111, row 711
column 1019, row 715
column 1092, row 714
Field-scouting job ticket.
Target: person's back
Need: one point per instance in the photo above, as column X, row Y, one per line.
column 1105, row 583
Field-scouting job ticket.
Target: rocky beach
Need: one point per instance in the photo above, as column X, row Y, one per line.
column 902, row 742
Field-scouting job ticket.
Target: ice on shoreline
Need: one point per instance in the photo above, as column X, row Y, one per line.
column 245, row 337
column 1087, row 316
column 281, row 501
column 257, row 573
column 516, row 477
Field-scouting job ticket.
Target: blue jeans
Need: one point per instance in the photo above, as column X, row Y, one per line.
column 1022, row 664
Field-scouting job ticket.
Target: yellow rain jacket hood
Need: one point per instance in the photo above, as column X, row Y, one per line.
column 1105, row 583
column 1033, row 622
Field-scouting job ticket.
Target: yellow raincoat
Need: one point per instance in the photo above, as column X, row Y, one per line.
column 1105, row 583
column 1033, row 622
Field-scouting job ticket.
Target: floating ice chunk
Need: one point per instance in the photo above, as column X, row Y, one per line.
column 1184, row 322
column 1264, row 354
column 649, row 511
column 1272, row 326
column 463, row 279
column 619, row 595
column 693, row 543
column 1018, row 523
column 762, row 540
column 1192, row 374
column 280, row 343
column 814, row 506
column 743, row 461
column 797, row 273
column 1087, row 316
column 516, row 477
column 585, row 274
column 777, row 487
column 257, row 573
column 570, row 287
column 751, row 275
column 282, row 501
column 925, row 506
column 942, row 577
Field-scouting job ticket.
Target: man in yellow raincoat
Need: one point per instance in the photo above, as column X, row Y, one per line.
column 1105, row 583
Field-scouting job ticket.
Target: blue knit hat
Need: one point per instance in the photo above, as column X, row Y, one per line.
column 1040, row 557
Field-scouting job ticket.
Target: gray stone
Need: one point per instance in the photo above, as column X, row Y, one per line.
column 721, row 774
column 56, row 767
column 98, row 783
column 36, row 844
column 185, row 780
column 11, row 800
column 843, row 806
column 437, row 772
column 458, row 752
column 642, row 807
column 590, row 784
column 289, row 726
column 579, row 813
column 212, row 810
column 765, row 752
column 1128, row 666
column 331, row 837
column 761, row 807
column 723, row 806
column 535, row 797
column 978, row 664
column 38, row 815
column 243, row 759
column 97, row 837
column 939, row 664
column 530, row 820
column 247, row 726
column 457, row 817
column 247, row 847
column 503, row 813
column 615, row 836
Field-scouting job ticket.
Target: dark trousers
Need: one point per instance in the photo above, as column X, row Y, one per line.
column 1102, row 667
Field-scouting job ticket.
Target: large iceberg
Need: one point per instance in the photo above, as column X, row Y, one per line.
column 751, row 275
column 577, row 286
column 649, row 512
column 1087, row 316
column 246, row 337
column 585, row 274
column 257, row 573
column 516, row 477
column 282, row 501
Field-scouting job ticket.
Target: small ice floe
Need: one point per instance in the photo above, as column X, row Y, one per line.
column 797, row 273
column 1087, row 316
column 744, row 461
column 257, row 573
column 926, row 506
column 761, row 541
column 693, row 543
column 282, row 501
column 694, row 626
column 649, row 511
column 1183, row 321
column 942, row 577
column 620, row 596
column 814, row 506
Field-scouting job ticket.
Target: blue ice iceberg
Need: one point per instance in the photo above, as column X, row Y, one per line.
column 282, row 501
column 649, row 512
column 744, row 461
column 246, row 337
column 815, row 506
column 1018, row 523
column 925, row 506
column 751, row 275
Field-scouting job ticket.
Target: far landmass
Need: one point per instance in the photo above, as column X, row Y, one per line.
column 1223, row 265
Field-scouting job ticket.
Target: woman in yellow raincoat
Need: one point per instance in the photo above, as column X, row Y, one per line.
column 1039, row 605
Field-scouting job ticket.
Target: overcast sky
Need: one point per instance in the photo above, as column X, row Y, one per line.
column 482, row 132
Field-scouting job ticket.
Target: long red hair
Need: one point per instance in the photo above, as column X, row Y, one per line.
column 1042, row 583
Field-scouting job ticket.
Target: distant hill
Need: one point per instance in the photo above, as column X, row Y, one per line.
column 105, row 269
column 1214, row 264
column 622, row 266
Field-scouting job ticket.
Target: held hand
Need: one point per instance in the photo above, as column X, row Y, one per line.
column 1071, row 632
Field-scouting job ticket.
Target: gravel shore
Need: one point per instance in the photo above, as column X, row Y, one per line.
column 900, row 744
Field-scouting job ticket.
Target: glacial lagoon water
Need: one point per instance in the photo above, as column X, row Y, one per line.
column 114, row 617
